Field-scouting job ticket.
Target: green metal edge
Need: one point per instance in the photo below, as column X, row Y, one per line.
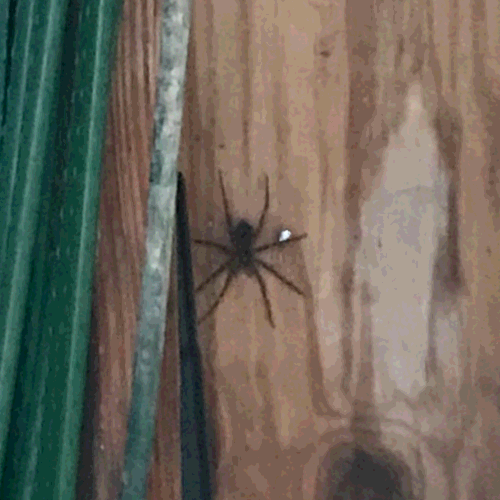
column 39, row 27
column 45, row 457
column 175, row 25
column 195, row 467
column 98, row 31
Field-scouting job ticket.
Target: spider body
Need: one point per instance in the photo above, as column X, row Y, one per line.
column 242, row 239
column 243, row 255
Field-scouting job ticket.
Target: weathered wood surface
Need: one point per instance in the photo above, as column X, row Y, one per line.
column 356, row 111
column 322, row 96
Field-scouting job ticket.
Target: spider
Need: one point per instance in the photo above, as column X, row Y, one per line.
column 243, row 255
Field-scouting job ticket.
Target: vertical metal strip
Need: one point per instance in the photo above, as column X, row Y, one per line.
column 194, row 457
column 174, row 35
column 34, row 49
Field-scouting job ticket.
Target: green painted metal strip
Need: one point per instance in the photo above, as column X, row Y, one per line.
column 44, row 434
column 150, row 339
column 33, row 76
column 194, row 445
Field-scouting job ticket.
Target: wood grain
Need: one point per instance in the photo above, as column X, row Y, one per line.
column 309, row 94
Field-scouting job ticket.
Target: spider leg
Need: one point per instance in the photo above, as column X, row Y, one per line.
column 264, row 211
column 280, row 243
column 212, row 276
column 229, row 218
column 213, row 307
column 288, row 283
column 263, row 291
column 222, row 248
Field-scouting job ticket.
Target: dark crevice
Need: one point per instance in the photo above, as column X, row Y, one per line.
column 352, row 471
column 370, row 477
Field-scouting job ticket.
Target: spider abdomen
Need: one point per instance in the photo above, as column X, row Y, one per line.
column 242, row 237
